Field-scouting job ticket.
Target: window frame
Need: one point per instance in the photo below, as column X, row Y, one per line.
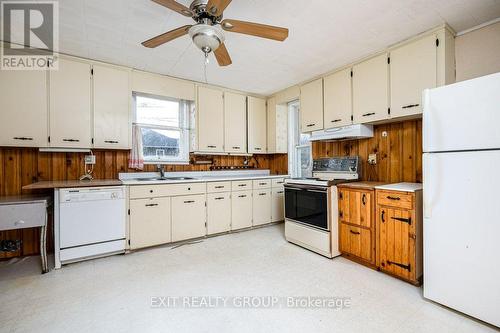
column 184, row 137
column 294, row 143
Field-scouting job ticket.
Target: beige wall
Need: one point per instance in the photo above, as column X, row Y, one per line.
column 478, row 52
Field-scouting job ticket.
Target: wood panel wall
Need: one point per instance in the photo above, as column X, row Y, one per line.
column 399, row 154
column 23, row 166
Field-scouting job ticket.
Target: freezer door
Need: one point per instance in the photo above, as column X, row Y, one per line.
column 463, row 116
column 461, row 232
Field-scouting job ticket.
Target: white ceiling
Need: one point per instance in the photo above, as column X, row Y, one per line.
column 324, row 34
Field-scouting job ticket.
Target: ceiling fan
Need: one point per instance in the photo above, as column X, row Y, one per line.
column 208, row 32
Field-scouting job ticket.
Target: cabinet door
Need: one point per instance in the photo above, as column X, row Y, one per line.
column 210, row 120
column 150, row 222
column 235, row 123
column 23, row 108
column 396, row 244
column 311, row 106
column 188, row 217
column 241, row 210
column 271, row 125
column 261, row 206
column 111, row 107
column 278, row 205
column 371, row 90
column 356, row 241
column 70, row 112
column 277, row 127
column 338, row 99
column 355, row 207
column 413, row 69
column 218, row 212
column 257, row 126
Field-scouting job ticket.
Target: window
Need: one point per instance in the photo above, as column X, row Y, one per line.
column 163, row 124
column 299, row 146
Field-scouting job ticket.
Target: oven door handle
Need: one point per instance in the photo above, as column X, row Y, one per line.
column 306, row 188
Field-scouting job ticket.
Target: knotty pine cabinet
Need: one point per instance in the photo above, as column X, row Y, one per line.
column 311, row 106
column 357, row 225
column 399, row 234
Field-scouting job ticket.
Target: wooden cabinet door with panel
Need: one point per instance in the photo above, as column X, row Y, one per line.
column 210, row 120
column 356, row 207
column 235, row 123
column 311, row 106
column 338, row 99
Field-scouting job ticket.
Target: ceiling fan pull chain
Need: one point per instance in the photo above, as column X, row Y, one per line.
column 205, row 63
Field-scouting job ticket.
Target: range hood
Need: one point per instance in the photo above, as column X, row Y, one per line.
column 351, row 132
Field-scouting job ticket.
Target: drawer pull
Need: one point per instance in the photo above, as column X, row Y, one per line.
column 189, row 201
column 368, row 114
column 23, row 138
column 242, row 196
column 221, row 186
column 363, row 200
column 393, row 198
column 310, row 125
column 258, row 148
column 354, row 232
column 20, row 222
column 242, row 185
column 262, row 184
column 236, row 147
column 111, row 141
column 219, row 198
column 151, row 205
column 71, row 140
column 336, row 120
column 280, row 182
column 407, row 267
column 382, row 216
column 211, row 146
column 262, row 194
column 279, row 192
column 400, row 219
column 410, row 106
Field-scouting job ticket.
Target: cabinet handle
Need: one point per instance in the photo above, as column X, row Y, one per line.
column 189, row 201
column 368, row 114
column 393, row 198
column 262, row 193
column 242, row 185
column 19, row 222
column 219, row 198
column 242, row 196
column 363, row 200
column 354, row 232
column 257, row 148
column 341, row 214
column 23, row 138
column 110, row 141
column 410, row 106
column 236, row 147
column 280, row 182
column 211, row 146
column 336, row 120
column 382, row 216
column 279, row 192
column 310, row 125
column 221, row 186
column 262, row 184
column 151, row 205
column 71, row 140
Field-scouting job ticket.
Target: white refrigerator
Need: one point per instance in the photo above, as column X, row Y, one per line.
column 461, row 176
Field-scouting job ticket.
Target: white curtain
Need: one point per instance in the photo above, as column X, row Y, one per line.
column 136, row 158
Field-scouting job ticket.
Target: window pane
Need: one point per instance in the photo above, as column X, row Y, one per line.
column 160, row 144
column 157, row 112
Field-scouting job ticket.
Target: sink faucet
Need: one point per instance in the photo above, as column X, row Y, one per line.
column 161, row 170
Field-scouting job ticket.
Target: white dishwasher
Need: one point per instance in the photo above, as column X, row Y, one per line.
column 90, row 222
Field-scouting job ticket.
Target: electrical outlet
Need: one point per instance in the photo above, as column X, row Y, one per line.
column 89, row 159
column 372, row 159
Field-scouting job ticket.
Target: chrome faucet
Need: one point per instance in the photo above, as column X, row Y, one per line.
column 161, row 170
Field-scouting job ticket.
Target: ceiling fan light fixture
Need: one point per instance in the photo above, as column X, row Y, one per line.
column 207, row 37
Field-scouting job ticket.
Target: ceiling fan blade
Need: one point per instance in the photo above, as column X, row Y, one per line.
column 175, row 6
column 216, row 7
column 222, row 56
column 166, row 37
column 255, row 29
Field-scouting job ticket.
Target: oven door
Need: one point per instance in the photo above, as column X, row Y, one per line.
column 307, row 205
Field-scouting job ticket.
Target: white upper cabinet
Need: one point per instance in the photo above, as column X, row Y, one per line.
column 311, row 106
column 277, row 127
column 210, row 112
column 23, row 108
column 371, row 90
column 338, row 99
column 413, row 69
column 257, row 128
column 111, row 107
column 70, row 99
column 235, row 123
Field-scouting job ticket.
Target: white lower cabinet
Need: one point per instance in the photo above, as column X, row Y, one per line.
column 241, row 210
column 261, row 206
column 218, row 212
column 150, row 222
column 188, row 217
column 278, row 205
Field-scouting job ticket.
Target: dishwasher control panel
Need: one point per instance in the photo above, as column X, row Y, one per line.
column 91, row 194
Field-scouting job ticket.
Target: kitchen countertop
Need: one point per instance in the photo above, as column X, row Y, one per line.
column 203, row 179
column 402, row 187
column 52, row 184
column 362, row 185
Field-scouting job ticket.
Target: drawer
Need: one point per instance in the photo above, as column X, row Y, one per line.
column 20, row 216
column 395, row 199
column 241, row 185
column 167, row 190
column 218, row 187
column 278, row 182
column 261, row 183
